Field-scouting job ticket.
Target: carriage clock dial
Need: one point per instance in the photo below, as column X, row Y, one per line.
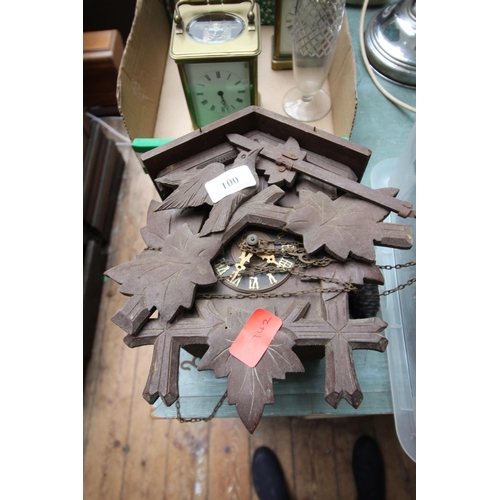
column 218, row 89
column 246, row 271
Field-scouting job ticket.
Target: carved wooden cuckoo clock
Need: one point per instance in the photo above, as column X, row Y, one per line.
column 262, row 234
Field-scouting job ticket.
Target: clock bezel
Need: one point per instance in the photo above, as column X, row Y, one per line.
column 247, row 45
column 191, row 28
column 187, row 86
column 231, row 249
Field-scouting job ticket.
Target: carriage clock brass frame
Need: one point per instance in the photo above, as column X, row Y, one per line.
column 282, row 55
column 240, row 52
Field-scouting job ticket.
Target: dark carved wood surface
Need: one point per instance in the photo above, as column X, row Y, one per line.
column 249, row 388
column 186, row 235
column 192, row 192
column 277, row 154
column 352, row 155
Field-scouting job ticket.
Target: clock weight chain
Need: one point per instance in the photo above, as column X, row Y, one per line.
column 297, row 262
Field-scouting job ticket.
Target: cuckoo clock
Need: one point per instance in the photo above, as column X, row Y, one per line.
column 262, row 233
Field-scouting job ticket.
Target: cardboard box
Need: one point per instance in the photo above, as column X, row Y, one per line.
column 150, row 96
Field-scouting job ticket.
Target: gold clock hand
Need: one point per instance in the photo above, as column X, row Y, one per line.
column 270, row 259
column 240, row 266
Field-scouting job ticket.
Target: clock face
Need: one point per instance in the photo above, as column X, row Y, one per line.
column 256, row 270
column 218, row 89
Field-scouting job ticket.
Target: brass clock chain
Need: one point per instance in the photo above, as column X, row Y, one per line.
column 302, row 260
column 399, row 287
column 346, row 287
column 184, row 420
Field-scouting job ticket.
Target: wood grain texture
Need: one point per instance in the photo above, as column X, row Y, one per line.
column 256, row 118
column 111, row 373
column 167, row 277
column 403, row 208
column 314, row 461
column 276, row 434
column 146, row 448
column 229, row 457
column 187, row 469
column 102, row 53
column 168, row 274
column 402, row 483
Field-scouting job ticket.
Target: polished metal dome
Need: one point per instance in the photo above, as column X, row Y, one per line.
column 391, row 42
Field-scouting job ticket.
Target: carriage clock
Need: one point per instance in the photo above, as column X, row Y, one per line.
column 215, row 46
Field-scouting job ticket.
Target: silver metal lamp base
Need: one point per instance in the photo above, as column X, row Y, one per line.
column 391, row 42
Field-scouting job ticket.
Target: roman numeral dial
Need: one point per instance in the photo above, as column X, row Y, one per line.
column 222, row 92
column 218, row 89
column 245, row 271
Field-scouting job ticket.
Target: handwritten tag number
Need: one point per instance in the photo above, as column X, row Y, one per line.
column 255, row 337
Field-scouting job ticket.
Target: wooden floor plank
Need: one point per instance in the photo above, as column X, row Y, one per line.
column 276, row 434
column 106, row 421
column 107, row 432
column 147, row 442
column 229, row 460
column 111, row 371
column 400, row 469
column 346, row 431
column 314, row 459
column 188, row 455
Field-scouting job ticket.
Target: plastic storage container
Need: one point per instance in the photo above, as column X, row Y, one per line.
column 399, row 309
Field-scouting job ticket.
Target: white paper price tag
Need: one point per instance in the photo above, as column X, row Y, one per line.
column 230, row 182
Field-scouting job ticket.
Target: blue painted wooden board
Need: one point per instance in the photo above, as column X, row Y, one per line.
column 300, row 394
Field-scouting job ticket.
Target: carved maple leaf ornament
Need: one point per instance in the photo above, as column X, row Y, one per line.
column 167, row 278
column 250, row 389
column 346, row 226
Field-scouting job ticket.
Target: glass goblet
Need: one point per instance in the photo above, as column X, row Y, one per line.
column 316, row 29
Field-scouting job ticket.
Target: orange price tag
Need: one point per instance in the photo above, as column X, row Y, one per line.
column 255, row 337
